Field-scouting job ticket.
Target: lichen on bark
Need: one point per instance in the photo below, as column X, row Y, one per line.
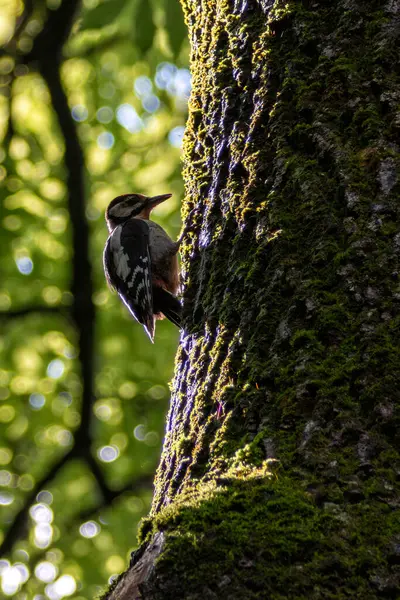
column 279, row 476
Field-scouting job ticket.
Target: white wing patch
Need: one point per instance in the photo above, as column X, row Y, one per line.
column 137, row 270
column 138, row 289
column 131, row 267
column 119, row 257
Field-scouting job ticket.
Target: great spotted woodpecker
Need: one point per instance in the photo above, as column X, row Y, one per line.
column 140, row 261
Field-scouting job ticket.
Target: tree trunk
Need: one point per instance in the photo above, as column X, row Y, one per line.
column 279, row 476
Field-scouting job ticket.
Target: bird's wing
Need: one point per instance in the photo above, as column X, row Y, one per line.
column 127, row 267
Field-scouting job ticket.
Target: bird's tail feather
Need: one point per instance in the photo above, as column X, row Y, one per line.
column 171, row 307
column 147, row 320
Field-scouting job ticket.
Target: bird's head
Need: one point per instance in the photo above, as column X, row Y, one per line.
column 127, row 206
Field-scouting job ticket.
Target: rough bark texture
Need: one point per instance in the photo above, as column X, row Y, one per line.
column 280, row 472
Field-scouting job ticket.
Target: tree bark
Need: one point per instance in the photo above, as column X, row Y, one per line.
column 279, row 476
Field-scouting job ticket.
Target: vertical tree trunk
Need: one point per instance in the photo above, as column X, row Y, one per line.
column 279, row 476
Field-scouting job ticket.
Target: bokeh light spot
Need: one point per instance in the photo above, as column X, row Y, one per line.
column 43, row 534
column 181, row 84
column 139, row 432
column 46, row 571
column 157, row 392
column 79, row 113
column 37, row 401
column 41, row 513
column 165, row 72
column 107, row 90
column 12, row 223
column 104, row 114
column 142, row 86
column 12, row 577
column 89, row 529
column 51, row 294
column 6, row 499
column 6, row 455
column 7, row 413
column 135, row 504
column 128, row 118
column 175, row 136
column 127, row 390
column 55, row 369
column 24, row 265
column 115, row 564
column 151, row 438
column 5, row 301
column 64, row 586
column 108, row 453
column 65, row 398
column 151, row 103
column 5, row 477
column 45, row 497
column 103, row 412
column 105, row 140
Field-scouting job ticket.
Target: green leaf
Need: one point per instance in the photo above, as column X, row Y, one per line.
column 175, row 25
column 143, row 26
column 103, row 14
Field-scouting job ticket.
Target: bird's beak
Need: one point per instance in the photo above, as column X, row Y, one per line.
column 155, row 200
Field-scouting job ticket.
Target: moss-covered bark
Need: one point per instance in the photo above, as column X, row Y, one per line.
column 280, row 471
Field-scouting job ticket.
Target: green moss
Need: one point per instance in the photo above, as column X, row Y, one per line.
column 263, row 537
column 291, row 342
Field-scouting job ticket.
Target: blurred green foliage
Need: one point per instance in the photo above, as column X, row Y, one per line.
column 125, row 75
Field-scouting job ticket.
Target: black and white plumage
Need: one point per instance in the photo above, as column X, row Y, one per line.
column 140, row 261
